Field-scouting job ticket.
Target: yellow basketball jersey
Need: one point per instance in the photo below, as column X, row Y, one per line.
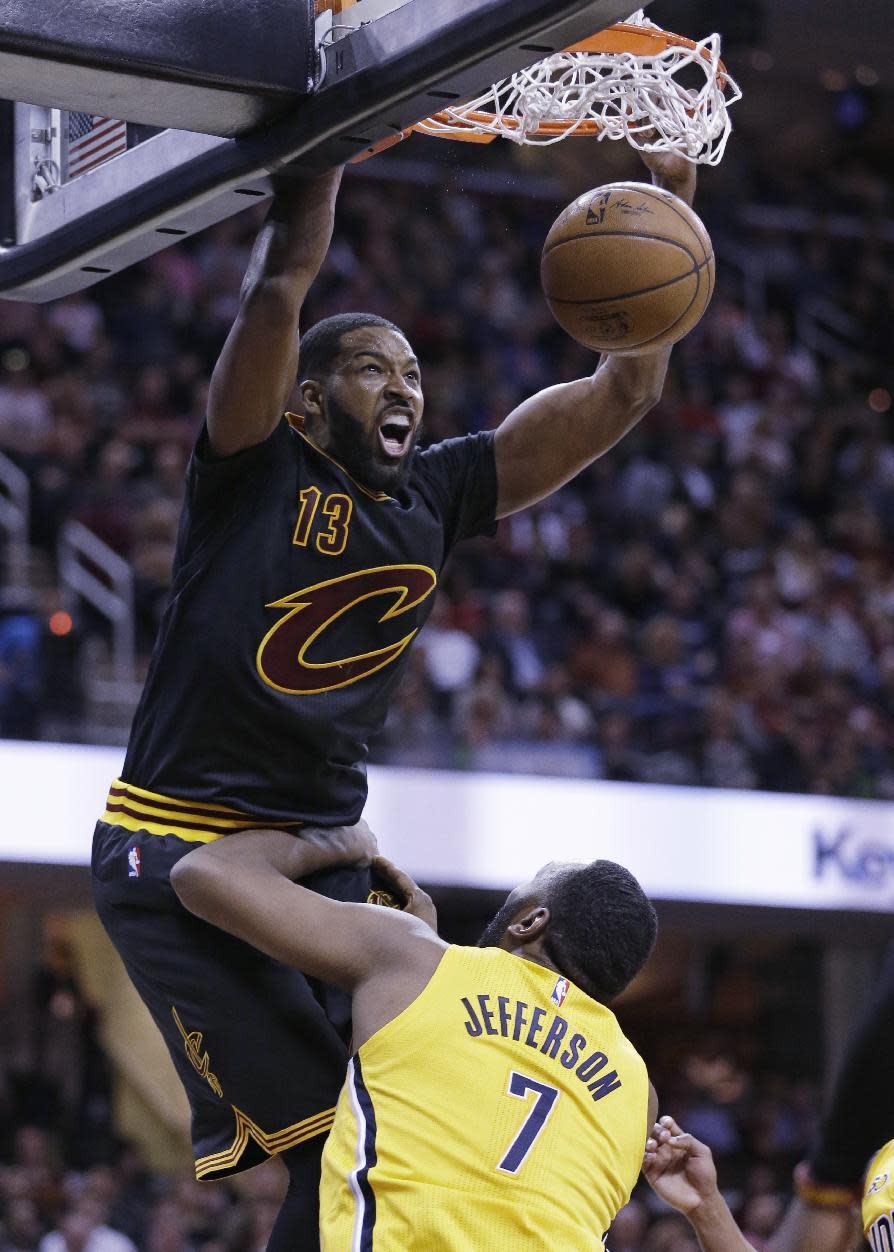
column 878, row 1201
column 502, row 1111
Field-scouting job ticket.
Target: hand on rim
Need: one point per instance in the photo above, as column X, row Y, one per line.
column 669, row 170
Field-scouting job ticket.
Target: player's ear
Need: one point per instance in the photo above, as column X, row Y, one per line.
column 530, row 925
column 311, row 393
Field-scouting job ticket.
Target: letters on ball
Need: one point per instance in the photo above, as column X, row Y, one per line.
column 627, row 268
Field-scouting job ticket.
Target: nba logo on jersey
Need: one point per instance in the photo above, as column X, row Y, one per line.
column 560, row 991
column 133, row 863
column 877, row 1184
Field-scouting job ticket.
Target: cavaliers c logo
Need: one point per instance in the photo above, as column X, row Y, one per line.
column 282, row 657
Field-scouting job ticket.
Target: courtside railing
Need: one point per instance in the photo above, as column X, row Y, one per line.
column 90, row 570
column 15, row 506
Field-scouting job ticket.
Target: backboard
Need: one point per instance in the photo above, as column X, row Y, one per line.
column 382, row 65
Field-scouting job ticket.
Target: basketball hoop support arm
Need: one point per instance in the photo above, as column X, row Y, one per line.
column 380, row 79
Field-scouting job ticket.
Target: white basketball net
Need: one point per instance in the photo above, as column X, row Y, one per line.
column 622, row 95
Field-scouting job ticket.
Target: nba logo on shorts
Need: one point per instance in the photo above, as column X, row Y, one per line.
column 559, row 992
column 133, row 863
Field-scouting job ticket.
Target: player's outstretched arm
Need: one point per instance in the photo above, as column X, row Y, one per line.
column 859, row 1117
column 555, row 434
column 256, row 369
column 680, row 1169
column 244, row 884
column 809, row 1228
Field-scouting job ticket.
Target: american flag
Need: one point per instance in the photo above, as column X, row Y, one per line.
column 92, row 140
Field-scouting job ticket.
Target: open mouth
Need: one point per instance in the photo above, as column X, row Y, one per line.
column 394, row 434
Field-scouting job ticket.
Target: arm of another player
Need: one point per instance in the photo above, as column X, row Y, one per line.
column 858, row 1118
column 256, row 368
column 807, row 1228
column 680, row 1169
column 243, row 884
column 561, row 430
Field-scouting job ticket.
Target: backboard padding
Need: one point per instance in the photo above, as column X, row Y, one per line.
column 380, row 79
column 186, row 64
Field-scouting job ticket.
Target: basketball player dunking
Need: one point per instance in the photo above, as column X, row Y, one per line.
column 307, row 559
column 492, row 1101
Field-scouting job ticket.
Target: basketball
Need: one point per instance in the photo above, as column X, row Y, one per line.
column 627, row 268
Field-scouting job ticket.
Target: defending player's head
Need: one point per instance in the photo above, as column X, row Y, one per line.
column 593, row 922
column 361, row 393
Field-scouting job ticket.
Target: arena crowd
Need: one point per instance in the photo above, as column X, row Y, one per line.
column 712, row 603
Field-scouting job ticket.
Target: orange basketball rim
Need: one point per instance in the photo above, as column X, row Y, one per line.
column 623, row 82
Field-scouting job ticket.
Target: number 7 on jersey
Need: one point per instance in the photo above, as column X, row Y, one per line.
column 546, row 1096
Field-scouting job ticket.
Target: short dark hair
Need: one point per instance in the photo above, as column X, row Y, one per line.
column 320, row 345
column 602, row 927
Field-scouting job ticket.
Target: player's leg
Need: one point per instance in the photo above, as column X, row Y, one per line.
column 860, row 1116
column 292, row 1231
column 250, row 1042
column 858, row 1120
column 261, row 1063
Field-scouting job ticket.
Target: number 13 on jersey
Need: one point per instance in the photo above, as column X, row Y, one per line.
column 545, row 1098
column 333, row 535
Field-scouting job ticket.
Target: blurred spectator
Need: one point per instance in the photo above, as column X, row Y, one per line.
column 20, row 669
column 760, row 1218
column 603, row 663
column 21, row 1228
column 629, row 1227
column 451, row 654
column 670, row 1234
column 484, row 711
column 81, row 1229
column 510, row 639
column 25, row 416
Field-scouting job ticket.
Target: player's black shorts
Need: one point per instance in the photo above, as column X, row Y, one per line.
column 261, row 1050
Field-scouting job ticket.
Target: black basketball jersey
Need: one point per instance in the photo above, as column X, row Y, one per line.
column 296, row 594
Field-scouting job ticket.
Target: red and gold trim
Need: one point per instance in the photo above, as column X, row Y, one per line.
column 196, row 821
column 226, row 1161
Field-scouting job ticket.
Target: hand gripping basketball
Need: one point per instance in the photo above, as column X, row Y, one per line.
column 397, row 890
column 383, row 889
column 627, row 268
column 378, row 895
